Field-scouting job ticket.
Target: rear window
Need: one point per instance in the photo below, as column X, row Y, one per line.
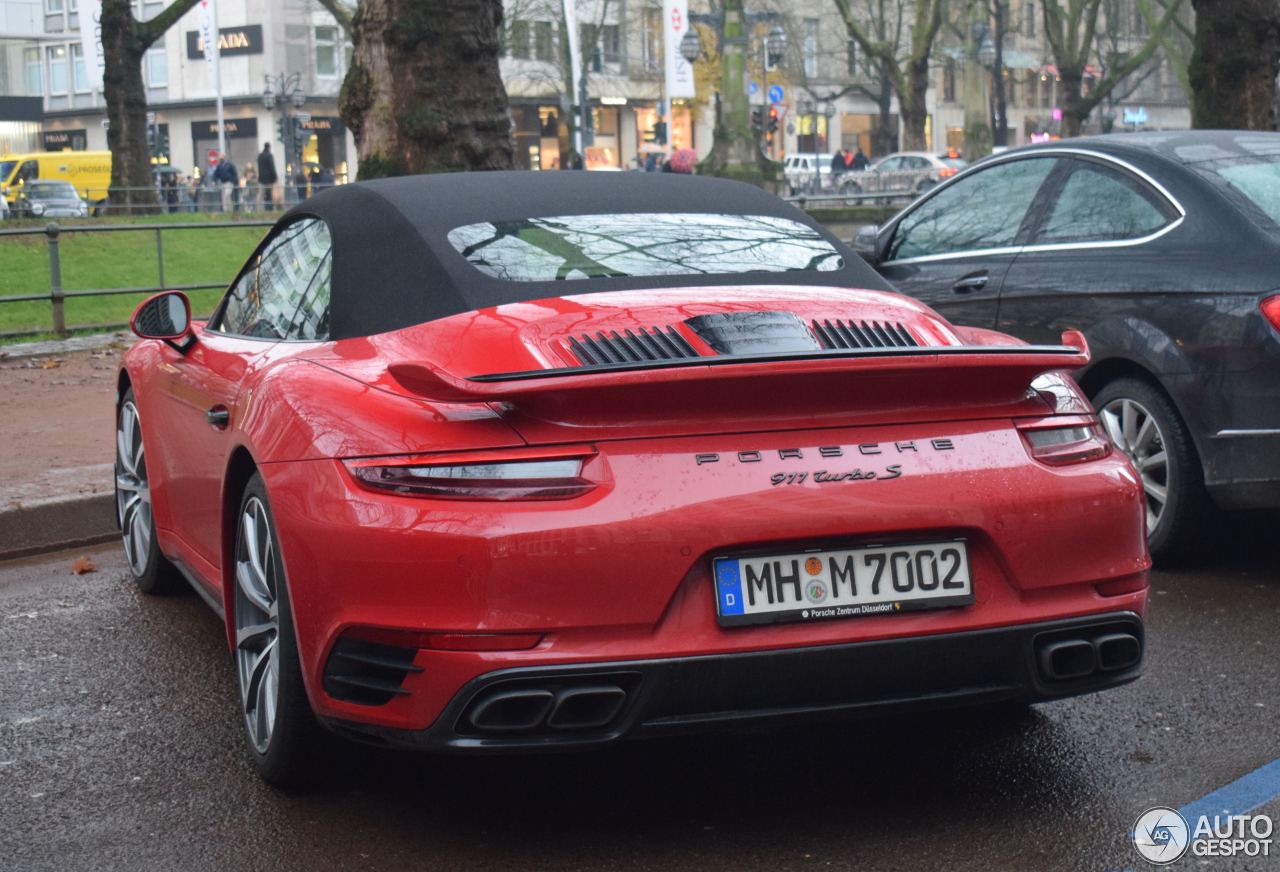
column 573, row 247
column 1257, row 182
column 956, row 163
column 51, row 189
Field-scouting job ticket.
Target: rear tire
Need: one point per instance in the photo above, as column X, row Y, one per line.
column 1142, row 422
column 152, row 572
column 281, row 733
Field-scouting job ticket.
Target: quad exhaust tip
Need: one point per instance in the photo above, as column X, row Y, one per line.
column 1070, row 659
column 526, row 709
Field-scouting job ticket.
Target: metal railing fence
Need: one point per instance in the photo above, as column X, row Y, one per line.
column 56, row 295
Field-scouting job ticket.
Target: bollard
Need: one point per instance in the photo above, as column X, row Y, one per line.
column 56, row 296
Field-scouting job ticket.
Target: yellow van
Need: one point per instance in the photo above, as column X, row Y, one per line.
column 89, row 171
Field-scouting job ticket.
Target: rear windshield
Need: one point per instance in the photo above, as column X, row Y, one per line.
column 1259, row 182
column 956, row 163
column 572, row 247
column 50, row 189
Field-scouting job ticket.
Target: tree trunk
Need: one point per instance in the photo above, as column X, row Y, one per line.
column 914, row 109
column 424, row 94
column 1234, row 62
column 735, row 149
column 126, row 96
column 1075, row 112
column 886, row 133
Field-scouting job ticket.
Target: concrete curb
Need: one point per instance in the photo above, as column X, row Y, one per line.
column 36, row 527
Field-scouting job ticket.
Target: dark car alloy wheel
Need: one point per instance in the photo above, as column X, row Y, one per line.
column 1143, row 423
column 1133, row 429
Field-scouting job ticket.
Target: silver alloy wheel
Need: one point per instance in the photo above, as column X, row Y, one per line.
column 257, row 623
column 1134, row 431
column 133, row 492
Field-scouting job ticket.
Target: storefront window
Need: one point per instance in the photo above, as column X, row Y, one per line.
column 543, row 42
column 326, row 51
column 681, row 127
column 80, row 77
column 57, row 57
column 31, row 58
column 156, row 65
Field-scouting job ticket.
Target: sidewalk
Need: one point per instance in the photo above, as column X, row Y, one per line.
column 58, row 431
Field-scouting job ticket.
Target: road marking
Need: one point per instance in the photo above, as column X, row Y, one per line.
column 1241, row 796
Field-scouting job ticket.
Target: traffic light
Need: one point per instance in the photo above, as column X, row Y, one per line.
column 773, row 119
column 299, row 137
column 757, row 119
column 660, row 132
column 281, row 133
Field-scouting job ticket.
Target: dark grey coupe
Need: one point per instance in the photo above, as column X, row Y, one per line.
column 1164, row 249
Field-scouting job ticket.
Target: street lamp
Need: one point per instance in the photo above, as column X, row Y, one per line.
column 987, row 53
column 283, row 92
column 775, row 45
column 691, row 45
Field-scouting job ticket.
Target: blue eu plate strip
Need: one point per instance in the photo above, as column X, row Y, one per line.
column 729, row 587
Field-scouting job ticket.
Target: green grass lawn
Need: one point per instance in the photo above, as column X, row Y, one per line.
column 117, row 260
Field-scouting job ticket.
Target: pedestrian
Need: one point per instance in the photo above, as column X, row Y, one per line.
column 300, row 183
column 267, row 177
column 228, row 181
column 860, row 161
column 249, row 201
column 841, row 161
column 575, row 161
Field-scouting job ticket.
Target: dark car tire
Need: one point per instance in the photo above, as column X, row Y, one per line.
column 1179, row 530
column 151, row 570
column 851, row 188
column 292, row 754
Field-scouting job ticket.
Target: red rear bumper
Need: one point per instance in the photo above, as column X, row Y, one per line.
column 623, row 574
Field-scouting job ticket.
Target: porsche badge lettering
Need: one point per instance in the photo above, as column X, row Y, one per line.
column 828, row 452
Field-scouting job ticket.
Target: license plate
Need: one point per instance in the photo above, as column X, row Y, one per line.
column 816, row 585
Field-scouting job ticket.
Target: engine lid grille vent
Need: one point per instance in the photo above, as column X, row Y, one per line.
column 862, row 334
column 647, row 344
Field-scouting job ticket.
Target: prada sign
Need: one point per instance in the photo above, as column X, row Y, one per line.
column 324, row 124
column 237, row 128
column 232, row 41
column 61, row 140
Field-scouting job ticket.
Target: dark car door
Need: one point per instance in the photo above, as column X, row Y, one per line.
column 951, row 250
column 1088, row 253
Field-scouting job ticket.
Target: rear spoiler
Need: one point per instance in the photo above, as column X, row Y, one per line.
column 1000, row 366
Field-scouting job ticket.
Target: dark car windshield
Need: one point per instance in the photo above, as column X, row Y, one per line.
column 6, row 169
column 570, row 247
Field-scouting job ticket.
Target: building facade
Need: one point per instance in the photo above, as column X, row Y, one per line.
column 257, row 39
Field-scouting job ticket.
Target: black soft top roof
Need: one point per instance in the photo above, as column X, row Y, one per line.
column 393, row 265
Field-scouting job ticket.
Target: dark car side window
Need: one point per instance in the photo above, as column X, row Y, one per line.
column 983, row 210
column 1098, row 204
column 265, row 302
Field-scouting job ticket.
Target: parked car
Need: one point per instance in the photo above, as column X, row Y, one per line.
column 905, row 173
column 530, row 461
column 806, row 173
column 89, row 171
column 50, row 200
column 1161, row 248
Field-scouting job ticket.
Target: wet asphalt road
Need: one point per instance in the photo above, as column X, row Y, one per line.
column 120, row 749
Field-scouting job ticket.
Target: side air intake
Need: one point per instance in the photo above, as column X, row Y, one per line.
column 862, row 334
column 631, row 347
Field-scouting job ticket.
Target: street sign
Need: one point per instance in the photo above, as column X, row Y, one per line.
column 304, row 117
column 753, row 88
column 213, row 155
column 776, row 94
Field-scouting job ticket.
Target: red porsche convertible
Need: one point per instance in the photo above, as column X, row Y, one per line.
column 544, row 460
